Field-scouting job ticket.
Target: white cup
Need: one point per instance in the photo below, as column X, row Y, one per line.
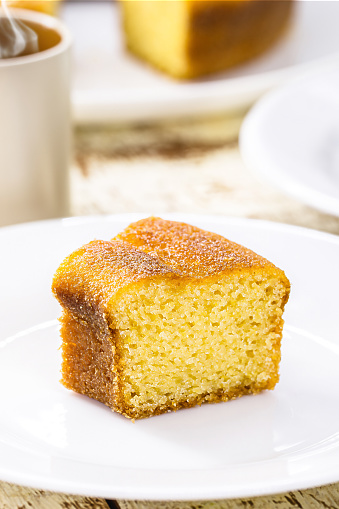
column 35, row 129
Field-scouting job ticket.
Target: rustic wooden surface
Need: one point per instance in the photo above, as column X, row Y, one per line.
column 17, row 497
column 316, row 498
column 191, row 166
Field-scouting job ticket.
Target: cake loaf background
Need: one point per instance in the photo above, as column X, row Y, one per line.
column 191, row 38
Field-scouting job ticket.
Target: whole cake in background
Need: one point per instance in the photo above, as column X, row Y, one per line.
column 191, row 38
column 167, row 316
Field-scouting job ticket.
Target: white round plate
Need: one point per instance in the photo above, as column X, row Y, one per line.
column 280, row 440
column 111, row 85
column 291, row 139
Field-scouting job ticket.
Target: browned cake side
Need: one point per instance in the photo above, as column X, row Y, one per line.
column 224, row 34
column 106, row 354
column 87, row 354
column 83, row 284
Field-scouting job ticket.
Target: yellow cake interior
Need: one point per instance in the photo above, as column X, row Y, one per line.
column 157, row 32
column 192, row 343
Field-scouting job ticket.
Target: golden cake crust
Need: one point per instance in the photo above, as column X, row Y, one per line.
column 189, row 250
column 91, row 275
column 148, row 249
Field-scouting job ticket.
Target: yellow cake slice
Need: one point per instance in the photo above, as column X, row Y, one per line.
column 191, row 38
column 167, row 316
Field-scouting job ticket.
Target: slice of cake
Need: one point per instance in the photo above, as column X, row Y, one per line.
column 167, row 316
column 190, row 38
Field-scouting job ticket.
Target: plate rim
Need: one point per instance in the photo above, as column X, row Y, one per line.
column 242, row 221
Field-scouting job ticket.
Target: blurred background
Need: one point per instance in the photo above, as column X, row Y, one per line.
column 147, row 142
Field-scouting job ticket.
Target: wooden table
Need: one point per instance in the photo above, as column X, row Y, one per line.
column 188, row 166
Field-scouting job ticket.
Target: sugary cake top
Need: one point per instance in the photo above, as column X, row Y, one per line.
column 88, row 278
column 149, row 249
column 188, row 250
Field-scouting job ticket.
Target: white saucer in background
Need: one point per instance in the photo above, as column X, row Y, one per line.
column 291, row 139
